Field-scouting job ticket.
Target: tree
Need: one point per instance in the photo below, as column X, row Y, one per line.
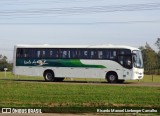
column 158, row 43
column 4, row 63
column 3, row 60
column 150, row 57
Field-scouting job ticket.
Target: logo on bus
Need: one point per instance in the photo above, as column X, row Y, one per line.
column 35, row 62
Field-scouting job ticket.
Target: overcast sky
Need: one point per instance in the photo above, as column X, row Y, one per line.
column 89, row 22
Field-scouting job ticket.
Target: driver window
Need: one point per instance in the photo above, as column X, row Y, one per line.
column 125, row 59
column 128, row 62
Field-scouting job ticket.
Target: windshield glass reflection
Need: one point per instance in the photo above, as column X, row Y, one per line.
column 137, row 59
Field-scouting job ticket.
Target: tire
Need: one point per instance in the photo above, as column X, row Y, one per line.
column 49, row 76
column 112, row 78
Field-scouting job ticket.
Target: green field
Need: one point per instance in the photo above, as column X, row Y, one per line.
column 23, row 91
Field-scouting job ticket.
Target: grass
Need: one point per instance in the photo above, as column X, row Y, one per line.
column 18, row 93
column 151, row 78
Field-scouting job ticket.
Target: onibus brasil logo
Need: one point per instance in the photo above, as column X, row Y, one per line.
column 20, row 111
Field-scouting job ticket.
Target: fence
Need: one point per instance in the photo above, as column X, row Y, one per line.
column 152, row 70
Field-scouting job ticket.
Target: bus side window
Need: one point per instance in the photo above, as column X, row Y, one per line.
column 128, row 62
column 34, row 53
column 25, row 53
column 92, row 56
column 121, row 57
column 106, row 54
column 78, row 53
column 121, row 60
column 85, row 54
column 75, row 54
column 113, row 54
column 69, row 53
column 50, row 53
column 19, row 52
column 38, row 53
column 43, row 53
column 100, row 54
column 64, row 54
column 125, row 58
column 57, row 53
column 72, row 53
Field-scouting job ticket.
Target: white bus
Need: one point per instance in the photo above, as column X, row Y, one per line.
column 56, row 62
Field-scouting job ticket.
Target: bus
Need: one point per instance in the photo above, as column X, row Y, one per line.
column 56, row 62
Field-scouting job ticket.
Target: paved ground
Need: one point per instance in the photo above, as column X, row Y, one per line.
column 150, row 84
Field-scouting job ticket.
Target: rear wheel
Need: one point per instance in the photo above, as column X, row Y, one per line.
column 112, row 78
column 49, row 76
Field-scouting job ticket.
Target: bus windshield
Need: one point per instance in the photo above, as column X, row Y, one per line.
column 137, row 59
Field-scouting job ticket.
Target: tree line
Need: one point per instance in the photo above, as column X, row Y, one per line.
column 4, row 63
column 151, row 59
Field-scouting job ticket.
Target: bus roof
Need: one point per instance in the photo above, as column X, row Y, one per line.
column 76, row 46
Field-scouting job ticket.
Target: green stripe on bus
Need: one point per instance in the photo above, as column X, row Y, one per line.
column 55, row 63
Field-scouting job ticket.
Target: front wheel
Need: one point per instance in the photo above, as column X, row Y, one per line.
column 112, row 78
column 49, row 76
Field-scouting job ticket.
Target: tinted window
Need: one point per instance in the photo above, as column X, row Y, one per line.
column 73, row 53
column 110, row 54
column 125, row 58
column 23, row 52
column 53, row 53
column 83, row 54
column 100, row 54
column 124, row 52
column 93, row 54
column 65, row 53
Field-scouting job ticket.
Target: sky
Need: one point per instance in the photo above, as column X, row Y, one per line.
column 78, row 22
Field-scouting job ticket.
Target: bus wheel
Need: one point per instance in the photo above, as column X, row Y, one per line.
column 49, row 76
column 112, row 78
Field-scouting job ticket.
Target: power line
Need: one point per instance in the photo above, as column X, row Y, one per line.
column 79, row 10
column 86, row 23
column 20, row 2
column 3, row 49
